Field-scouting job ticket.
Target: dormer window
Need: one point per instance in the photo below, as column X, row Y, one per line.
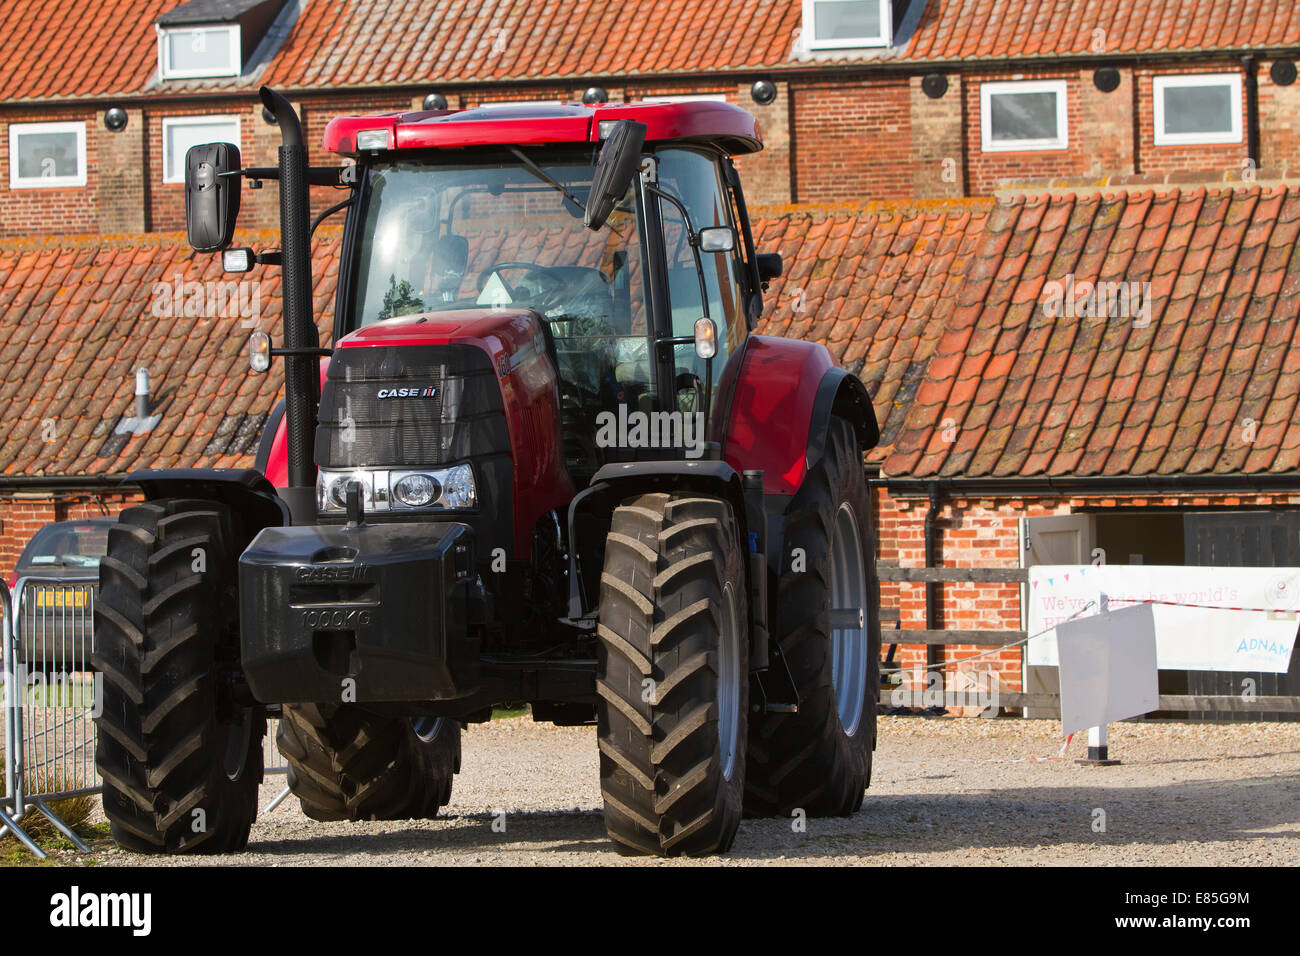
column 193, row 52
column 846, row 24
column 201, row 39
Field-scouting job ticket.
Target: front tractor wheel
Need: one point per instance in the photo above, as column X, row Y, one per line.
column 672, row 669
column 348, row 763
column 828, row 624
column 180, row 760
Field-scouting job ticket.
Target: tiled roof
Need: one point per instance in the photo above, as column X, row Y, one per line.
column 966, row 29
column 938, row 307
column 89, row 48
column 77, row 317
column 75, row 48
column 1206, row 383
column 876, row 283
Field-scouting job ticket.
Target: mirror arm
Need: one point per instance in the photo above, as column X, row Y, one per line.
column 323, row 352
column 693, row 241
column 327, row 213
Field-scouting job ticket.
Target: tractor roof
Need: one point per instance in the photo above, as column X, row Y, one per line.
column 699, row 121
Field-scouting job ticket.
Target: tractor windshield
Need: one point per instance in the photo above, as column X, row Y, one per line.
column 441, row 235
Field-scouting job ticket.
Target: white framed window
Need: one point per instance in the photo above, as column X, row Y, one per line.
column 1197, row 109
column 47, row 155
column 1023, row 115
column 190, row 52
column 844, row 24
column 179, row 133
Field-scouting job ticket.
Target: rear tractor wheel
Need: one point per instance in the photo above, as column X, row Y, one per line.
column 348, row 763
column 827, row 621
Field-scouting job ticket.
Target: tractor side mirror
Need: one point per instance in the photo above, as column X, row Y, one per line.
column 769, row 266
column 211, row 195
column 614, row 170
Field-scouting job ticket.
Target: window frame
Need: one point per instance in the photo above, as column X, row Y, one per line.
column 809, row 28
column 1159, row 84
column 169, row 122
column 17, row 130
column 1004, row 87
column 168, row 71
column 685, row 98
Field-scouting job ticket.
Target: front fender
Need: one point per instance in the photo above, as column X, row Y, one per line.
column 252, row 499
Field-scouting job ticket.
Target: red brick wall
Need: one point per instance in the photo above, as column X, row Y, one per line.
column 984, row 533
column 23, row 514
column 1180, row 159
column 68, row 210
column 852, row 140
column 1279, row 122
column 984, row 171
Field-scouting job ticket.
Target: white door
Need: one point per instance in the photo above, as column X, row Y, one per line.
column 1055, row 539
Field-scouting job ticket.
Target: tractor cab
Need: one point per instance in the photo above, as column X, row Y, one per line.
column 490, row 208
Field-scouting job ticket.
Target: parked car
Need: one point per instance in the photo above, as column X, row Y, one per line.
column 54, row 586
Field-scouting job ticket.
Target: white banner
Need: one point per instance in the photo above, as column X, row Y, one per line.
column 1220, row 637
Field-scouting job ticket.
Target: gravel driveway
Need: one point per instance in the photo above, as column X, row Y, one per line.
column 946, row 791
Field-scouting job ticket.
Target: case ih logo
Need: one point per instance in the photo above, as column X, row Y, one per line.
column 423, row 391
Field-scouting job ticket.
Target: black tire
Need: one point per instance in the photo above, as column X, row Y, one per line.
column 181, row 763
column 348, row 763
column 672, row 568
column 806, row 760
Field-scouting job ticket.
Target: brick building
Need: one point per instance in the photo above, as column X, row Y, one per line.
column 999, row 411
column 877, row 99
column 999, row 406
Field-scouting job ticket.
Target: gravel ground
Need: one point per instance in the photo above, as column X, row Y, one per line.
column 946, row 791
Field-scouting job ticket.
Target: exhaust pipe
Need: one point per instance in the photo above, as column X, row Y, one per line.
column 301, row 373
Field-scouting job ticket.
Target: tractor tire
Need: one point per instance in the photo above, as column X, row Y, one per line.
column 348, row 763
column 180, row 761
column 819, row 759
column 672, row 676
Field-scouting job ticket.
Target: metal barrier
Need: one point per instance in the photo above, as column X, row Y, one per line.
column 50, row 693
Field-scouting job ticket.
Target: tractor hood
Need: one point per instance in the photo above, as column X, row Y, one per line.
column 508, row 336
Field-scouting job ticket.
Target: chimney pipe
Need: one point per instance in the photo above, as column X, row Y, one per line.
column 142, row 393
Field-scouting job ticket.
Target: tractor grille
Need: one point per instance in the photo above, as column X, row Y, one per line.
column 451, row 412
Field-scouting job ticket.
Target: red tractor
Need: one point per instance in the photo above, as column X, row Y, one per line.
column 545, row 461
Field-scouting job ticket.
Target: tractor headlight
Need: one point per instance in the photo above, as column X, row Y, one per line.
column 416, row 491
column 458, row 488
column 392, row 490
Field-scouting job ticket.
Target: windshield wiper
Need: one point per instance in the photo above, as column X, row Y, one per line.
column 545, row 177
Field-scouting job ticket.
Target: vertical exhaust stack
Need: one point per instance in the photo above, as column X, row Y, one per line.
column 301, row 375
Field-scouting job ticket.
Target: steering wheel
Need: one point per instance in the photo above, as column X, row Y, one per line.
column 547, row 281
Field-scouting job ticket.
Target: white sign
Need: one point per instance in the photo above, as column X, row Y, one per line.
column 1108, row 668
column 1209, row 637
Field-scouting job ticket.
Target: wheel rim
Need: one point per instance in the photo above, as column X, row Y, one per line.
column 728, row 684
column 426, row 728
column 238, row 739
column 848, row 644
